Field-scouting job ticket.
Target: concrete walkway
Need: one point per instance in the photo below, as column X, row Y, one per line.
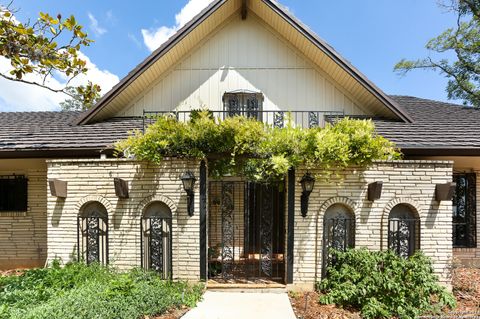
column 249, row 305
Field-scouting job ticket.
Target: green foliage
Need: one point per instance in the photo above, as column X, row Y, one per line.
column 257, row 150
column 77, row 100
column 463, row 41
column 383, row 285
column 49, row 46
column 81, row 291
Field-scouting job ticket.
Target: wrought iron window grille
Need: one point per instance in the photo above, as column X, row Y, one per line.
column 156, row 240
column 92, row 234
column 464, row 206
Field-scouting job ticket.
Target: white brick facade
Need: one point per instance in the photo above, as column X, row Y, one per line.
column 404, row 182
column 408, row 182
column 23, row 235
column 92, row 180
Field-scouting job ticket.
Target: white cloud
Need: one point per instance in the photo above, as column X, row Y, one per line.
column 104, row 78
column 154, row 37
column 16, row 96
column 94, row 26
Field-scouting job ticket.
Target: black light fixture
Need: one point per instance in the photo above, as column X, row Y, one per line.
column 375, row 191
column 445, row 191
column 188, row 181
column 308, row 182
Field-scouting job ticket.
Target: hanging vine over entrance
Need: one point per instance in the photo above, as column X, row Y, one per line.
column 258, row 151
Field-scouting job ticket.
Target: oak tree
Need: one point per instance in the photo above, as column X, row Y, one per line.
column 463, row 72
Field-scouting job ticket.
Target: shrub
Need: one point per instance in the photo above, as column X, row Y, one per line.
column 80, row 291
column 257, row 150
column 383, row 285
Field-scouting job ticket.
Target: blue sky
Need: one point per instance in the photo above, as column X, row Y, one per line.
column 372, row 34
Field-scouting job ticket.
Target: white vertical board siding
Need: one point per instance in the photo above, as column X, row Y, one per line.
column 244, row 55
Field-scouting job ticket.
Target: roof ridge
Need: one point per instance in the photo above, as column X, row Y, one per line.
column 437, row 102
column 37, row 112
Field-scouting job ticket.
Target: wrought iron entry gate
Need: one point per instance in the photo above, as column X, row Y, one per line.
column 246, row 231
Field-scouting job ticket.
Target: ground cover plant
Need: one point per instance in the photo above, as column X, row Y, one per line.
column 80, row 291
column 384, row 285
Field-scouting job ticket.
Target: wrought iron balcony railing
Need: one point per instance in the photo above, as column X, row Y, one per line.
column 303, row 119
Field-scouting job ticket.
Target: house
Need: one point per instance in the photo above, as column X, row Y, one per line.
column 63, row 193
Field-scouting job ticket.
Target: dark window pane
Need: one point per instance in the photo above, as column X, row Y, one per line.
column 13, row 193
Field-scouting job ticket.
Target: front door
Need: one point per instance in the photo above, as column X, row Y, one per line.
column 246, row 232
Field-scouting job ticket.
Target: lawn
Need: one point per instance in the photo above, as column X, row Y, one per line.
column 79, row 291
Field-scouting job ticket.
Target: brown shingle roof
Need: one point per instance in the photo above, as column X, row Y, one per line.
column 47, row 131
column 439, row 128
column 437, row 125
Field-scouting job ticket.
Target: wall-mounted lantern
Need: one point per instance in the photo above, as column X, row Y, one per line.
column 188, row 181
column 308, row 182
column 375, row 191
column 445, row 191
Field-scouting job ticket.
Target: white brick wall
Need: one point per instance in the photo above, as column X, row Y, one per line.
column 23, row 235
column 93, row 180
column 409, row 182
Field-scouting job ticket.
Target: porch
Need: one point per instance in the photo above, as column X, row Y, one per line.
column 246, row 233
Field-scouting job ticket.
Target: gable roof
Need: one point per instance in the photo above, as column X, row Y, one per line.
column 208, row 20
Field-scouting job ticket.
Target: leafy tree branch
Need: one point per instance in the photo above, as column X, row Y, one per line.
column 463, row 41
column 46, row 48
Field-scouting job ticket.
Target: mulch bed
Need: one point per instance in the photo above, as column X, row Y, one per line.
column 15, row 272
column 306, row 306
column 171, row 314
column 466, row 288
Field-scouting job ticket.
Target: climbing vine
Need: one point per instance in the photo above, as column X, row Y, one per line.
column 258, row 151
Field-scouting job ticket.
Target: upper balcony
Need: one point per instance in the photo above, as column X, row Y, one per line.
column 303, row 119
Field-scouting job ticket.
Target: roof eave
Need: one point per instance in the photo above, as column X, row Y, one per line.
column 56, row 152
column 347, row 66
column 440, row 151
column 289, row 18
column 152, row 58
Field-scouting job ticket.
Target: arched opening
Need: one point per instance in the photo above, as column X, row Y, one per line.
column 92, row 233
column 156, row 237
column 338, row 232
column 403, row 230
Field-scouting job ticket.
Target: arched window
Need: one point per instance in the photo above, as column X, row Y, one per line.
column 403, row 230
column 156, row 234
column 338, row 232
column 92, row 233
